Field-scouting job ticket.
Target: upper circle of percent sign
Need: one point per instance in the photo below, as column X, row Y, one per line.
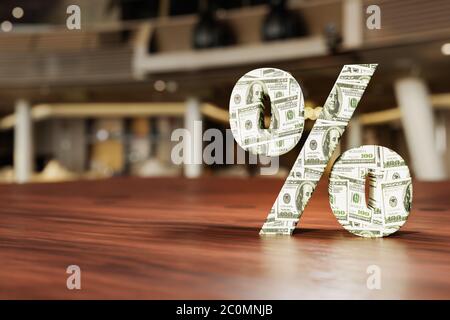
column 247, row 112
column 390, row 187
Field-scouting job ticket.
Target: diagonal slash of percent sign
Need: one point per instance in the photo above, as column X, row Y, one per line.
column 317, row 150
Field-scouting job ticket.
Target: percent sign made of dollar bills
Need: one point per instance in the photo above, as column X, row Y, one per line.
column 390, row 188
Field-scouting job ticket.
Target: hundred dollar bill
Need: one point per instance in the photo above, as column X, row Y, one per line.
column 271, row 73
column 390, row 159
column 347, row 92
column 281, row 145
column 358, row 210
column 342, row 102
column 368, row 233
column 247, row 111
column 396, row 201
column 355, row 78
column 278, row 226
column 248, row 124
column 338, row 190
column 249, row 91
column 367, row 158
column 305, row 173
column 286, row 114
column 264, row 73
column 376, row 179
column 356, row 164
column 360, row 73
column 294, row 198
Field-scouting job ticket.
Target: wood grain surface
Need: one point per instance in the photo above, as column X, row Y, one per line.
column 198, row 239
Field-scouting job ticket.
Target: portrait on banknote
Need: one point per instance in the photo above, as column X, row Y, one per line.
column 333, row 105
column 256, row 93
column 330, row 142
column 304, row 193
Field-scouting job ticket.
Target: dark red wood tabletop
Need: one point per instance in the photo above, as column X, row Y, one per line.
column 198, row 239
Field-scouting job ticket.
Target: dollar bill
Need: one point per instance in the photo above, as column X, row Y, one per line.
column 338, row 190
column 247, row 112
column 321, row 143
column 356, row 164
column 358, row 211
column 305, row 173
column 342, row 102
column 396, row 197
column 390, row 160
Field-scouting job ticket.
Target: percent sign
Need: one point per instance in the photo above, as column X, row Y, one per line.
column 390, row 188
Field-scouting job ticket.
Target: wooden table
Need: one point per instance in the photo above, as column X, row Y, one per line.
column 189, row 239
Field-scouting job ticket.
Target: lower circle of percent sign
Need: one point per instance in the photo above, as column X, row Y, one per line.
column 390, row 187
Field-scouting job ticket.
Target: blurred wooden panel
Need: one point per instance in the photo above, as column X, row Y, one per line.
column 409, row 19
column 63, row 41
column 15, row 43
column 32, row 68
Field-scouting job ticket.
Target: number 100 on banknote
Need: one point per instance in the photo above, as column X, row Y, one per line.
column 388, row 176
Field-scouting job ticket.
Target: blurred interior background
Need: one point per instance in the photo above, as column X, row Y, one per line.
column 104, row 100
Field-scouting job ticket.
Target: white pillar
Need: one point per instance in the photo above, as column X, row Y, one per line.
column 353, row 21
column 441, row 133
column 194, row 145
column 418, row 122
column 23, row 142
